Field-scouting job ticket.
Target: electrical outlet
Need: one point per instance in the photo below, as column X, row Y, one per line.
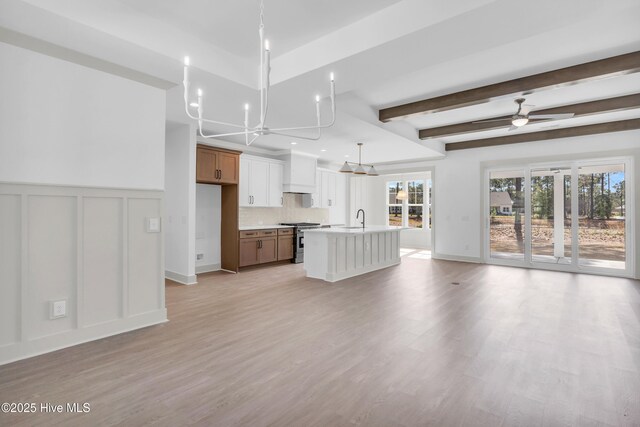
column 58, row 309
column 153, row 225
column 199, row 256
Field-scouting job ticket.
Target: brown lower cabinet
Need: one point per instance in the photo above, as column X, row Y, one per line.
column 263, row 246
column 285, row 247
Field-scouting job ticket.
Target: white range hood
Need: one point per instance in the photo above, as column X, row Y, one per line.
column 299, row 172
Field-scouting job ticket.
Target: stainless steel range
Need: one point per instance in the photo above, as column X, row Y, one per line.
column 298, row 238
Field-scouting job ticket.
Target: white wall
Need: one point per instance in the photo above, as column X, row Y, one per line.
column 208, row 217
column 180, row 204
column 62, row 123
column 459, row 184
column 71, row 129
column 369, row 193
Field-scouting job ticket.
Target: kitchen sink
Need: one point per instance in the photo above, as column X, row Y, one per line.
column 350, row 228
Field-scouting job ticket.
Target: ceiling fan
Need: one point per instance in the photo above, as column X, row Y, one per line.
column 522, row 116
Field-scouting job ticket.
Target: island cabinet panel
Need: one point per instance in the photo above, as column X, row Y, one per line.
column 249, row 252
column 217, row 166
column 336, row 253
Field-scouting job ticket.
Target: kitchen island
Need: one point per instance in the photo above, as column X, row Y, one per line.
column 333, row 254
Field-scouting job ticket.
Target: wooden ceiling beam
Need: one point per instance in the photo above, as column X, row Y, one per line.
column 607, row 127
column 608, row 105
column 616, row 65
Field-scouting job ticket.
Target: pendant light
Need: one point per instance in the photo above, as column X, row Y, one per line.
column 359, row 168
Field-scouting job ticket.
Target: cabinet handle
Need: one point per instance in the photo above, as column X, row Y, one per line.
column 218, row 173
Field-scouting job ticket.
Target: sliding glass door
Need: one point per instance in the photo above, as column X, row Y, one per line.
column 507, row 228
column 601, row 204
column 570, row 216
column 551, row 215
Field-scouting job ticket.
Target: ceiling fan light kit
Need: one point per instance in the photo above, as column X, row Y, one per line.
column 359, row 167
column 251, row 133
column 521, row 118
column 519, row 121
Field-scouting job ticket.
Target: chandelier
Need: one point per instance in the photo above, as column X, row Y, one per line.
column 359, row 169
column 252, row 133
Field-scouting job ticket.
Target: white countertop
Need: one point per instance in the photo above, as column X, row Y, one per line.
column 262, row 227
column 354, row 230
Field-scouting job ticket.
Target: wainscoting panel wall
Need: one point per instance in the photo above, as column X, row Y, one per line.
column 88, row 246
column 10, row 253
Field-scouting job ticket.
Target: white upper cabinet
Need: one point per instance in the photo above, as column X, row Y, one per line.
column 330, row 193
column 276, row 174
column 260, row 182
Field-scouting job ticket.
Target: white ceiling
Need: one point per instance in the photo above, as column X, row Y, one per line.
column 227, row 24
column 384, row 53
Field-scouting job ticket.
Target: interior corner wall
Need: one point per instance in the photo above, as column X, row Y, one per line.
column 81, row 172
column 208, row 220
column 180, row 204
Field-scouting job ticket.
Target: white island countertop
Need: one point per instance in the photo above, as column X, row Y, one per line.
column 354, row 230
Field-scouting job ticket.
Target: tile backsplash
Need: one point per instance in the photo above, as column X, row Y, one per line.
column 291, row 211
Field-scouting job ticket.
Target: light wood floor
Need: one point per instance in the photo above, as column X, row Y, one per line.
column 398, row 347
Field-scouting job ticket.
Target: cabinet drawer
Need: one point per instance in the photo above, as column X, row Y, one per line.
column 249, row 233
column 285, row 231
column 265, row 233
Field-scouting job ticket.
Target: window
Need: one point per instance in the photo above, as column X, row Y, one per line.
column 411, row 211
column 395, row 207
column 415, row 203
column 505, row 209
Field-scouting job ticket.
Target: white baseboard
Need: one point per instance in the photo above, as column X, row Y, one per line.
column 445, row 257
column 181, row 278
column 26, row 349
column 207, row 268
column 334, row 277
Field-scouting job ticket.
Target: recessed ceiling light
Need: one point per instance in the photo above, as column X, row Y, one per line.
column 323, row 150
column 346, row 155
column 294, row 143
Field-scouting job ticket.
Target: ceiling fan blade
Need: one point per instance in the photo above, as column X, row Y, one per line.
column 551, row 116
column 504, row 119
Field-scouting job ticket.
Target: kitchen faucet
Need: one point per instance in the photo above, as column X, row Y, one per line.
column 358, row 217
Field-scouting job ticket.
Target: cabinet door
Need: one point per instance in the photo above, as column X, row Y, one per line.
column 268, row 251
column 244, row 195
column 276, row 174
column 338, row 211
column 249, row 252
column 206, row 161
column 285, row 247
column 331, row 189
column 228, row 168
column 259, row 183
column 316, row 198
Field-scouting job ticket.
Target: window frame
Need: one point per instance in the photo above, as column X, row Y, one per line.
column 405, row 205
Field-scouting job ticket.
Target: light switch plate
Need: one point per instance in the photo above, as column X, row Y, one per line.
column 153, row 225
column 57, row 309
